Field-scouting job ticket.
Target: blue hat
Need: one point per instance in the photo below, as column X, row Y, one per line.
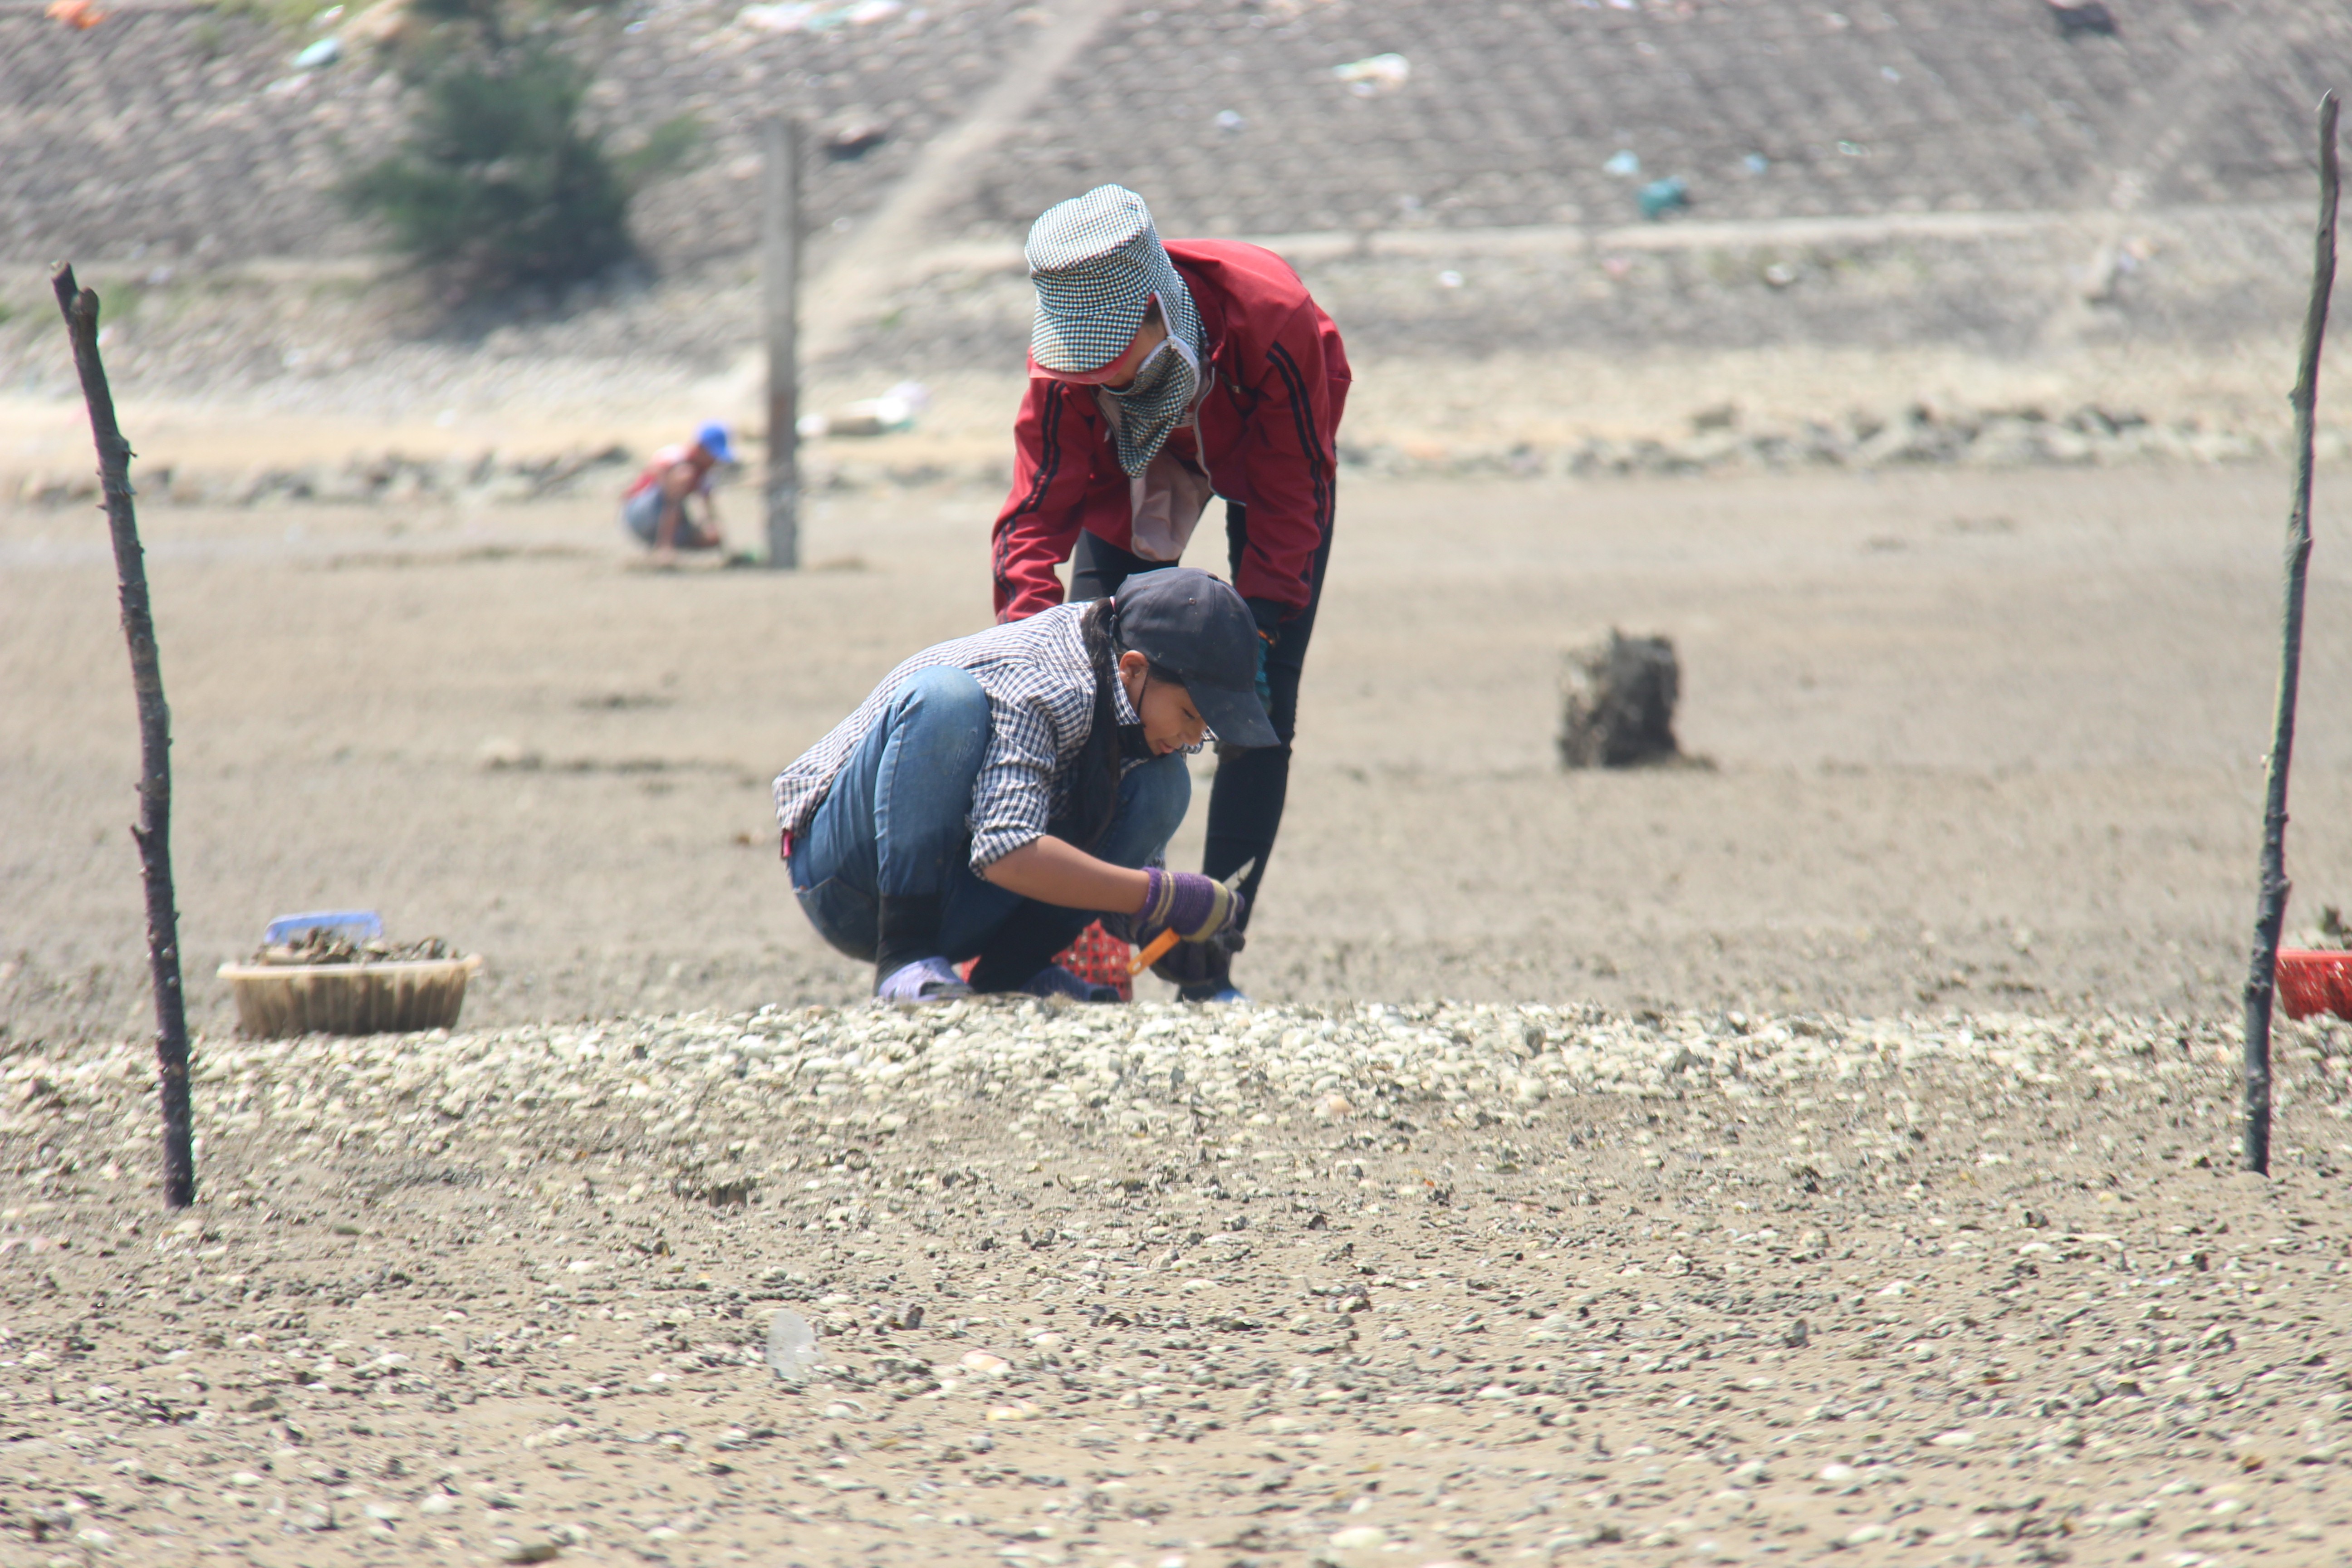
column 712, row 438
column 1198, row 629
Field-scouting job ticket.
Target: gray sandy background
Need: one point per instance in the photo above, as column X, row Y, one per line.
column 1971, row 740
column 1822, row 1152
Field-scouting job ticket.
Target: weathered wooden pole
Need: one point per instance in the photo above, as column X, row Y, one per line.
column 2262, row 975
column 154, row 832
column 780, row 277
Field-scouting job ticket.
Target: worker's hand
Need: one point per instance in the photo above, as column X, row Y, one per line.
column 1194, row 907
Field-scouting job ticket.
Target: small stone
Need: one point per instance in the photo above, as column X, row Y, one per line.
column 437, row 1503
column 527, row 1551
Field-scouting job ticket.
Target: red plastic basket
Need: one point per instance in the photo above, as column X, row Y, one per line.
column 1100, row 959
column 2315, row 982
column 1097, row 957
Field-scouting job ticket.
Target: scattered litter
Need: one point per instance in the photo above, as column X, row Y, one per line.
column 790, row 19
column 79, row 15
column 807, row 16
column 895, row 411
column 851, row 136
column 1449, row 279
column 1853, row 148
column 1375, row 74
column 1890, row 73
column 2075, row 17
column 1660, row 197
column 325, row 52
column 1624, row 164
column 1780, row 275
column 1230, row 120
column 791, row 1347
column 1756, row 163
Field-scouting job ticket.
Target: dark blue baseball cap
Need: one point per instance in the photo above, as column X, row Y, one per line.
column 1198, row 630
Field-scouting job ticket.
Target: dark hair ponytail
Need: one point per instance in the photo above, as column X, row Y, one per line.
column 1093, row 799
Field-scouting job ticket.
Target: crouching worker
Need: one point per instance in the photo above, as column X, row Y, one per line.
column 998, row 792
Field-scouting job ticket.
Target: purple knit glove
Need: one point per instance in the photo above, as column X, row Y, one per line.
column 1194, row 907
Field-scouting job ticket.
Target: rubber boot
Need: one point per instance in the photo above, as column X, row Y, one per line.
column 906, row 929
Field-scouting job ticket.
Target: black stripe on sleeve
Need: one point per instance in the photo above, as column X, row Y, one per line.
column 1049, row 465
column 1302, row 413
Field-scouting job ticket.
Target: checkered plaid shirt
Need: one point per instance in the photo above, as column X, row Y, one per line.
column 1041, row 703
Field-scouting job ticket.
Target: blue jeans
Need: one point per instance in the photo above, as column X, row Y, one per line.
column 895, row 823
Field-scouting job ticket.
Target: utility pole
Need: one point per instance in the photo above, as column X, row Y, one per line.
column 780, row 279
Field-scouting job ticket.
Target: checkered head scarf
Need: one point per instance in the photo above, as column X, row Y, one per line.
column 1098, row 263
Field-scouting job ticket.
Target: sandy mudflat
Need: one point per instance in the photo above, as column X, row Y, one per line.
column 1982, row 742
column 1838, row 1160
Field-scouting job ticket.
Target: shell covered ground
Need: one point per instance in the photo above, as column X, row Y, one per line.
column 1149, row 1285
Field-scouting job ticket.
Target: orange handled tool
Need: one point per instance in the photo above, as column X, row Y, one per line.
column 1147, row 956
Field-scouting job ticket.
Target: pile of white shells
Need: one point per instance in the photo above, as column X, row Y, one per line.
column 1038, row 1067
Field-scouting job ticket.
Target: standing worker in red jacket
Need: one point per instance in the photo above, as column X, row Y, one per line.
column 1159, row 375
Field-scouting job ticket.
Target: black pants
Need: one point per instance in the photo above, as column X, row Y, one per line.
column 1246, row 804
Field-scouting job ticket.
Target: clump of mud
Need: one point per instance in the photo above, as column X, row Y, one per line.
column 1619, row 703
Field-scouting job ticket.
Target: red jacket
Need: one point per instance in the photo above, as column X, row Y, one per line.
column 1269, row 426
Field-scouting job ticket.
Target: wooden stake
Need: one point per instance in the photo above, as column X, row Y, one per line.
column 154, row 833
column 779, row 271
column 2261, row 976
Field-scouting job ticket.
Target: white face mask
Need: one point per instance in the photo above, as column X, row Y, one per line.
column 1146, row 377
column 1163, row 396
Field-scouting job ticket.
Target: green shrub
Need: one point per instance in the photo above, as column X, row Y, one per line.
column 499, row 183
